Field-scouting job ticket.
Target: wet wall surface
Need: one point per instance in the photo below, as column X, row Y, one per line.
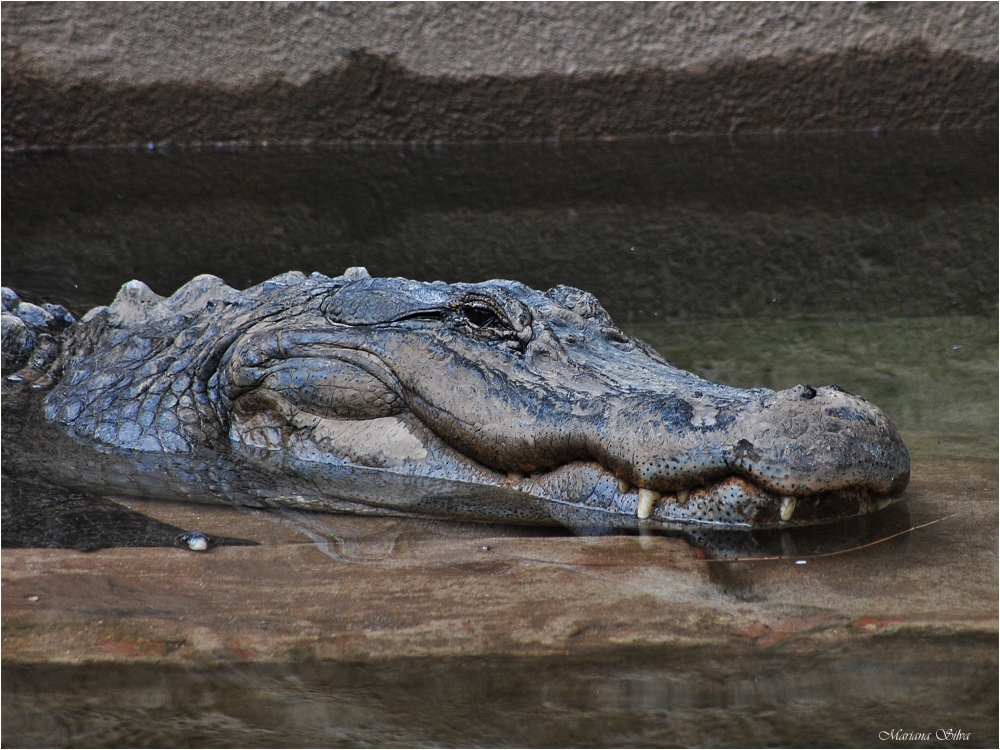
column 160, row 41
column 879, row 223
column 372, row 97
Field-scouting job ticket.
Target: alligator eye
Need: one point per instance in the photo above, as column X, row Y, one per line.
column 480, row 317
column 485, row 323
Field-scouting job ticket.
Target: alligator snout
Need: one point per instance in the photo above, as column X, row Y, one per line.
column 798, row 442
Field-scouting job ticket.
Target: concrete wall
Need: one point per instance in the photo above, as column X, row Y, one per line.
column 191, row 72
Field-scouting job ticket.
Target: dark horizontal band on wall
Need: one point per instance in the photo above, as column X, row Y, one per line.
column 896, row 223
column 373, row 98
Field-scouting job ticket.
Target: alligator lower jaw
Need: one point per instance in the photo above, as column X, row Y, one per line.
column 730, row 501
column 734, row 500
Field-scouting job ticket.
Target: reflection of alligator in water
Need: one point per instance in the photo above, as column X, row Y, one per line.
column 487, row 401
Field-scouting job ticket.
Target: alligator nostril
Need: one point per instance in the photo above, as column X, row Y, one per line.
column 807, row 392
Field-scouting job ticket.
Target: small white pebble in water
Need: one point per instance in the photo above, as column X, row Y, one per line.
column 800, row 562
column 32, row 598
column 484, row 548
column 197, row 542
column 787, row 508
column 647, row 501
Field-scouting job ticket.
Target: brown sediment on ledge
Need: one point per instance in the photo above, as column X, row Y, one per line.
column 374, row 98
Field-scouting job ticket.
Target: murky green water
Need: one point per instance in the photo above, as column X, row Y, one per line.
column 865, row 261
column 935, row 376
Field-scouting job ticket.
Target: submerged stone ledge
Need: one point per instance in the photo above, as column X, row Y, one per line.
column 349, row 588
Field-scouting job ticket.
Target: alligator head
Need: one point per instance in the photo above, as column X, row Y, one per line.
column 535, row 398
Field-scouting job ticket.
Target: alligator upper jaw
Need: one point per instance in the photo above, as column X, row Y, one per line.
column 795, row 443
column 800, row 456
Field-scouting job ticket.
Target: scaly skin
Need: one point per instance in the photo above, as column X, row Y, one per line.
column 487, row 401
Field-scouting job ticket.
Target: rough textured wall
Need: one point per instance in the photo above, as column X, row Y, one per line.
column 193, row 72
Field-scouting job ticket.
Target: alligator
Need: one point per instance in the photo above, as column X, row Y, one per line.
column 483, row 401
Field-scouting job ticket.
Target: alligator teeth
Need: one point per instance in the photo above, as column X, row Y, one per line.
column 883, row 502
column 623, row 487
column 514, row 475
column 683, row 496
column 787, row 508
column 647, row 500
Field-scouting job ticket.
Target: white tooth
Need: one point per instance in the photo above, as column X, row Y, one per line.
column 787, row 508
column 647, row 499
column 623, row 487
column 683, row 496
column 513, row 475
column 883, row 502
